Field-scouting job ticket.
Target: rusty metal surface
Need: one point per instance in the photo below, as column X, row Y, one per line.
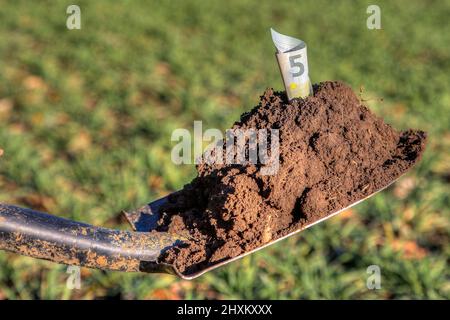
column 44, row 236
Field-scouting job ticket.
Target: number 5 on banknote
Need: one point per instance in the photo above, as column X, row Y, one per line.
column 297, row 67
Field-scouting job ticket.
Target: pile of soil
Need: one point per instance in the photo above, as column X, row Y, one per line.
column 333, row 152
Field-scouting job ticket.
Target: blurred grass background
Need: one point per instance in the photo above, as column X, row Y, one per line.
column 86, row 117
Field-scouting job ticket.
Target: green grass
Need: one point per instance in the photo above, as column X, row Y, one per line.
column 86, row 117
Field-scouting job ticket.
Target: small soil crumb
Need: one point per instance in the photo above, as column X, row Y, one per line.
column 333, row 152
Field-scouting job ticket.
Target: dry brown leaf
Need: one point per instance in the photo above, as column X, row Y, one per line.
column 164, row 294
column 162, row 69
column 6, row 105
column 81, row 142
column 409, row 249
column 37, row 202
column 404, row 187
column 154, row 182
column 346, row 214
column 34, row 83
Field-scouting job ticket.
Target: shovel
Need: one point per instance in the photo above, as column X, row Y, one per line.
column 40, row 235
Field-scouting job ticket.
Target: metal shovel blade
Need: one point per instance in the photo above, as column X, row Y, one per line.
column 145, row 219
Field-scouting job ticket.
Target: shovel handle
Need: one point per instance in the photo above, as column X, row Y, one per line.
column 40, row 235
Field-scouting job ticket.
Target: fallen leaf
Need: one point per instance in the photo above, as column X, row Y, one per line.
column 154, row 182
column 162, row 69
column 81, row 142
column 346, row 214
column 34, row 83
column 404, row 187
column 6, row 106
column 409, row 249
column 37, row 202
column 164, row 294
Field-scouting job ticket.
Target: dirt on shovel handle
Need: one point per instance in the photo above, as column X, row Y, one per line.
column 333, row 152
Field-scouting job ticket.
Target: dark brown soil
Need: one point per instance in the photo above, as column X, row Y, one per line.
column 333, row 152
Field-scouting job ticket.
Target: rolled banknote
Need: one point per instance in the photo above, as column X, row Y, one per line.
column 293, row 62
